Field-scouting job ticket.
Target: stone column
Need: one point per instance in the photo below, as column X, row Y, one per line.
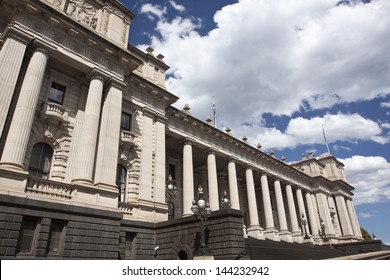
column 345, row 222
column 302, row 210
column 212, row 180
column 11, row 58
column 147, row 157
column 355, row 228
column 323, row 208
column 270, row 231
column 160, row 160
column 233, row 185
column 109, row 136
column 284, row 234
column 296, row 234
column 352, row 217
column 19, row 132
column 334, row 216
column 254, row 229
column 188, row 178
column 312, row 214
column 87, row 147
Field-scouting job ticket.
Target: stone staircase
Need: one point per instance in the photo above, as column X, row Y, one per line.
column 271, row 250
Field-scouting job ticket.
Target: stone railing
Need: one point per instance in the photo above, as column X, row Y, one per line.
column 49, row 188
column 125, row 208
column 127, row 138
column 55, row 112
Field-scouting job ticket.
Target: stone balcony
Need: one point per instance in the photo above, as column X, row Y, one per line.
column 48, row 188
column 128, row 139
column 55, row 113
column 125, row 208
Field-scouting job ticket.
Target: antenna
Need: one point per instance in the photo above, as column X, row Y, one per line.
column 326, row 143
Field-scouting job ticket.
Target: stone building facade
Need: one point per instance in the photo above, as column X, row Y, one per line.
column 89, row 138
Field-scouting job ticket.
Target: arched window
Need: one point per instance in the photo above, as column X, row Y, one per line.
column 121, row 181
column 40, row 161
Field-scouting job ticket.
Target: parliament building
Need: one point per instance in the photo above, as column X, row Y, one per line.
column 90, row 143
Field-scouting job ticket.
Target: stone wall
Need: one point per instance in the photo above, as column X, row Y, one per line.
column 179, row 238
column 360, row 247
column 90, row 233
column 87, row 234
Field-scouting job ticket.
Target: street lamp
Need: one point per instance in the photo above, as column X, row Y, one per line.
column 225, row 202
column 202, row 211
column 304, row 223
column 170, row 194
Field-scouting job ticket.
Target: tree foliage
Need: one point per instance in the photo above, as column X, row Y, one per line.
column 365, row 234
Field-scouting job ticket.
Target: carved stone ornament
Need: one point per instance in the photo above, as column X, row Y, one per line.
column 83, row 12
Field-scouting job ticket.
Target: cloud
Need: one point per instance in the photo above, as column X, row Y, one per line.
column 338, row 127
column 365, row 215
column 370, row 176
column 153, row 11
column 385, row 104
column 177, row 7
column 277, row 57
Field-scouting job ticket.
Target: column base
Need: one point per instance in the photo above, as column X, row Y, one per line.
column 83, row 182
column 272, row 234
column 13, row 166
column 297, row 237
column 285, row 235
column 256, row 232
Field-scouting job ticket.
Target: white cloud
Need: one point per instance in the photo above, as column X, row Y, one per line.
column 365, row 215
column 177, row 7
column 370, row 176
column 276, row 56
column 337, row 127
column 153, row 11
column 385, row 104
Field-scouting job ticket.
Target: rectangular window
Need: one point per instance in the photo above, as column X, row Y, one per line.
column 126, row 121
column 56, row 234
column 27, row 235
column 130, row 245
column 57, row 93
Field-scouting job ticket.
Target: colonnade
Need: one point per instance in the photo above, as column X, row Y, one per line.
column 293, row 203
column 91, row 167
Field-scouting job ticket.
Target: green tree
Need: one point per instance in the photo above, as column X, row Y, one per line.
column 365, row 234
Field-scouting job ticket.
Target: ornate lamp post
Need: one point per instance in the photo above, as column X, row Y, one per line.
column 304, row 223
column 225, row 202
column 170, row 194
column 323, row 233
column 202, row 211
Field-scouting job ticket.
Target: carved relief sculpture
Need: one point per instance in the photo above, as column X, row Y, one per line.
column 83, row 12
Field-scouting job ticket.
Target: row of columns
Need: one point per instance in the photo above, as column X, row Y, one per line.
column 317, row 203
column 105, row 119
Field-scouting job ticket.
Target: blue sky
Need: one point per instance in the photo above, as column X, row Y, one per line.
column 280, row 71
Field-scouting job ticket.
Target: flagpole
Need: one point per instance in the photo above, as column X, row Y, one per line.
column 326, row 142
column 214, row 112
